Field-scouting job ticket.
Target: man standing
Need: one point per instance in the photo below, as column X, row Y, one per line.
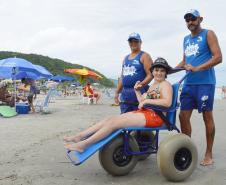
column 136, row 67
column 201, row 53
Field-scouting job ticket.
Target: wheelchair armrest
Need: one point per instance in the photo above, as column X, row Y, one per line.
column 160, row 108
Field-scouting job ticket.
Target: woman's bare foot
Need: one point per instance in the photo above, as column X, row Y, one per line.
column 207, row 161
column 75, row 139
column 79, row 147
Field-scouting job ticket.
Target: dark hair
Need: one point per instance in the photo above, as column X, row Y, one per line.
column 23, row 80
column 161, row 63
column 161, row 68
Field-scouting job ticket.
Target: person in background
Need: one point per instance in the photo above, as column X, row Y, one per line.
column 5, row 96
column 223, row 92
column 91, row 93
column 29, row 88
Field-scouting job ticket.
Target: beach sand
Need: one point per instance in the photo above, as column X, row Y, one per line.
column 32, row 150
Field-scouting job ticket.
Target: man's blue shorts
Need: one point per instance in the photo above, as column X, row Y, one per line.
column 199, row 97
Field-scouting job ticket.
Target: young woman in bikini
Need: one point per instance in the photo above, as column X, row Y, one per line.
column 160, row 93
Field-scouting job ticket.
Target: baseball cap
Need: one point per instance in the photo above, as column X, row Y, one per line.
column 161, row 62
column 192, row 12
column 135, row 36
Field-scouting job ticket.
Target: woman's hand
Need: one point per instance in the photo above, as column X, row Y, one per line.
column 141, row 105
column 137, row 86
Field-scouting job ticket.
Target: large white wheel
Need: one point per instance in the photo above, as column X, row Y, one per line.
column 113, row 158
column 177, row 157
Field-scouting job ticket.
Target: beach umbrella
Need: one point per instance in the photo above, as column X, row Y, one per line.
column 11, row 66
column 76, row 84
column 44, row 71
column 84, row 73
column 60, row 78
column 28, row 75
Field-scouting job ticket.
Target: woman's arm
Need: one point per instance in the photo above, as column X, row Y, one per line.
column 140, row 97
column 166, row 95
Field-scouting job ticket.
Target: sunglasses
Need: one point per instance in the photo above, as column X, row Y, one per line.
column 193, row 18
column 133, row 40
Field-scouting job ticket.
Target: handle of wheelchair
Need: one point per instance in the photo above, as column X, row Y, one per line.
column 185, row 76
column 175, row 70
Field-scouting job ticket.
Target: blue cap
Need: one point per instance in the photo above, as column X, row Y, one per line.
column 135, row 36
column 192, row 12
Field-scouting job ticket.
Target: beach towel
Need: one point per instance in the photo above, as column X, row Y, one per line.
column 7, row 111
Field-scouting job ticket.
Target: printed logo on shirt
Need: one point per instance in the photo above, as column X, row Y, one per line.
column 199, row 39
column 191, row 49
column 129, row 71
column 136, row 62
column 187, row 41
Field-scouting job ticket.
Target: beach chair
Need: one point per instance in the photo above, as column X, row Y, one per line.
column 119, row 152
column 87, row 99
column 40, row 106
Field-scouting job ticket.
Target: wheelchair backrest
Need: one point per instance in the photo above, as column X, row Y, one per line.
column 171, row 116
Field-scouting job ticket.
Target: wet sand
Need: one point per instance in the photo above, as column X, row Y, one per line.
column 32, row 149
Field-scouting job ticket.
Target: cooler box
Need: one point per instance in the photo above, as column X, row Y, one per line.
column 22, row 108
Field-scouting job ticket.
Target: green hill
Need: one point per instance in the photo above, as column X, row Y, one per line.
column 55, row 66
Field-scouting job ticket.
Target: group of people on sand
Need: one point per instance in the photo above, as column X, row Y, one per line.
column 201, row 52
column 26, row 92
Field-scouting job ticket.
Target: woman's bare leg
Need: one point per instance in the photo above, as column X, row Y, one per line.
column 115, row 123
column 87, row 132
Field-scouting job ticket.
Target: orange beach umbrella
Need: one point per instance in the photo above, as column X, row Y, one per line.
column 83, row 72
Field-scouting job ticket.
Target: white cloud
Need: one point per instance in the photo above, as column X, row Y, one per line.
column 94, row 32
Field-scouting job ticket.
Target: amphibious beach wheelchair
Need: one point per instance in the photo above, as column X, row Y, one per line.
column 119, row 152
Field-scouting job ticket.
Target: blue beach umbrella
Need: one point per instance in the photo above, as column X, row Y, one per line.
column 44, row 71
column 60, row 78
column 23, row 74
column 76, row 84
column 11, row 66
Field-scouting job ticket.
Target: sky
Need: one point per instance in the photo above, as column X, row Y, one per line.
column 94, row 32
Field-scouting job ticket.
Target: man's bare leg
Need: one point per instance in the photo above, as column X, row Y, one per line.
column 185, row 123
column 210, row 133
